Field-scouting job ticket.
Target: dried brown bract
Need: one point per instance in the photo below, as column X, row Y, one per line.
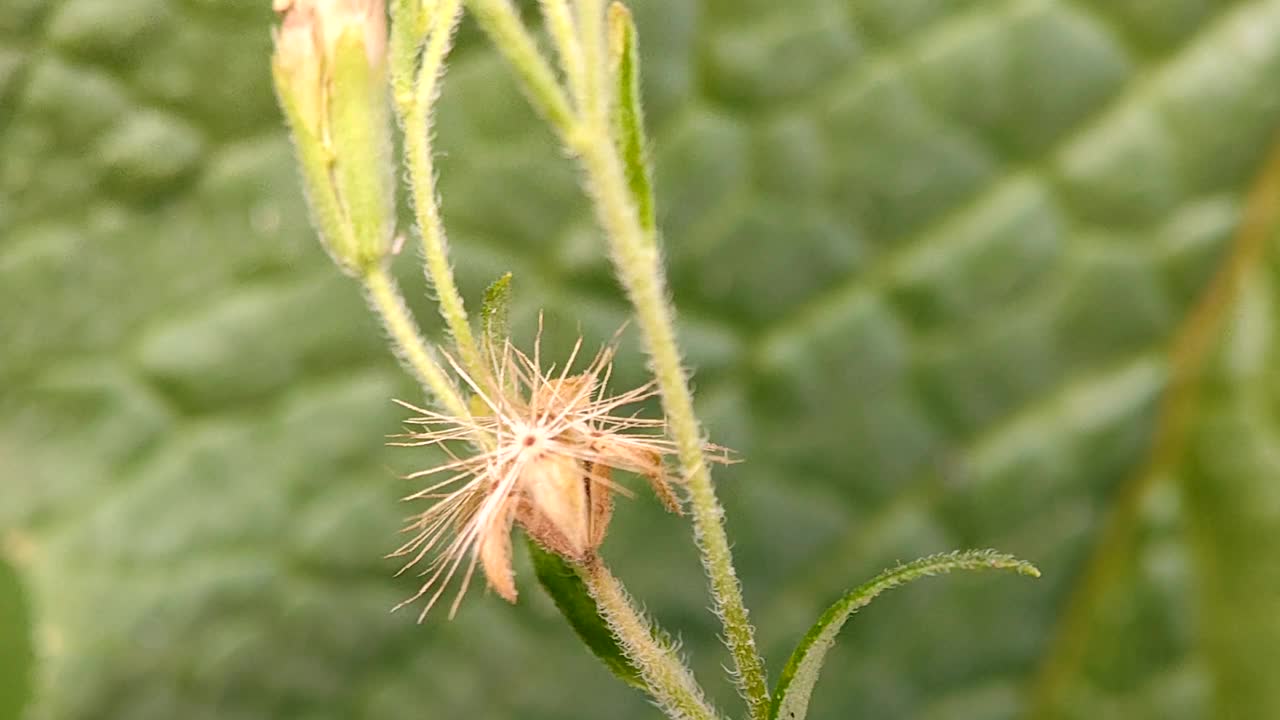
column 550, row 443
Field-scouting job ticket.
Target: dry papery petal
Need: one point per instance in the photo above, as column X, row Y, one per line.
column 552, row 442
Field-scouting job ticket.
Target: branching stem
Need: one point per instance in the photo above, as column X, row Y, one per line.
column 385, row 299
column 415, row 111
column 501, row 21
column 638, row 264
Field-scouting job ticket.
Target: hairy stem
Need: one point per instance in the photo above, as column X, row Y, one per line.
column 501, row 21
column 411, row 348
column 593, row 104
column 414, row 112
column 562, row 28
column 638, row 264
column 670, row 683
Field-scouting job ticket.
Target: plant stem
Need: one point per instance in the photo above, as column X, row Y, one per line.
column 638, row 264
column 501, row 21
column 415, row 119
column 593, row 103
column 411, row 348
column 670, row 683
column 564, row 35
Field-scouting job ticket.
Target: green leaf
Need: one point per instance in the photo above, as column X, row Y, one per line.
column 568, row 591
column 795, row 686
column 15, row 638
column 628, row 117
column 932, row 261
column 1234, row 493
column 1209, row 495
column 495, row 313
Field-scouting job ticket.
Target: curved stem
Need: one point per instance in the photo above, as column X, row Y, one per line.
column 670, row 683
column 501, row 21
column 415, row 118
column 411, row 348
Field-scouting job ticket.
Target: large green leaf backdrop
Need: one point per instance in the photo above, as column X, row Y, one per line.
column 951, row 273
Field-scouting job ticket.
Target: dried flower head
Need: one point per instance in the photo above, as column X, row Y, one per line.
column 548, row 444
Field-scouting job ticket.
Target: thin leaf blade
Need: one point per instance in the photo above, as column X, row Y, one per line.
column 628, row 118
column 495, row 312
column 795, row 686
column 570, row 595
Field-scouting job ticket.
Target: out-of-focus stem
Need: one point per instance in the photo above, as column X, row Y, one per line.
column 501, row 21
column 562, row 28
column 411, row 348
column 414, row 110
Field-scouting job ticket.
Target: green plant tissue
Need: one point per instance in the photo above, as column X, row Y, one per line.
column 932, row 260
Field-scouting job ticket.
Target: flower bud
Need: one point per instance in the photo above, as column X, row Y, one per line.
column 298, row 65
column 330, row 72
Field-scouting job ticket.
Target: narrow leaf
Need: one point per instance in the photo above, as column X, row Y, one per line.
column 564, row 586
column 791, row 698
column 495, row 322
column 628, row 118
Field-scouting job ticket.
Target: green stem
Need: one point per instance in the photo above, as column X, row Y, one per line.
column 501, row 21
column 415, row 118
column 639, row 267
column 638, row 264
column 593, row 103
column 564, row 35
column 411, row 348
column 670, row 683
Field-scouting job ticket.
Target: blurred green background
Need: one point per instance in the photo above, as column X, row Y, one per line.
column 947, row 269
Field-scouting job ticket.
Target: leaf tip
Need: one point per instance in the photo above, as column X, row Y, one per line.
column 619, row 14
column 1003, row 561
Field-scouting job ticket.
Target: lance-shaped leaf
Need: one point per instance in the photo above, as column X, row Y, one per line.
column 495, row 313
column 628, row 117
column 568, row 591
column 795, row 687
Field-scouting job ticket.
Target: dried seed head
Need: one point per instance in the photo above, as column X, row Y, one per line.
column 550, row 444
